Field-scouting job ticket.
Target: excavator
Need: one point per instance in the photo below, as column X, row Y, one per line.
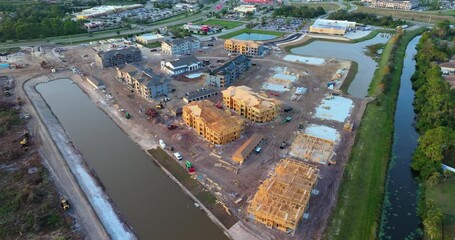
column 24, row 140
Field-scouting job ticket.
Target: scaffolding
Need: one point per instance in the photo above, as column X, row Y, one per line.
column 281, row 199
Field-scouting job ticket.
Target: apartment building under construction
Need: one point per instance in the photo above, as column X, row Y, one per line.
column 215, row 125
column 281, row 199
column 249, row 104
column 246, row 47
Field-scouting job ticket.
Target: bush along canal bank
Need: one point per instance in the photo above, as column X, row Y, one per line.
column 357, row 212
column 434, row 104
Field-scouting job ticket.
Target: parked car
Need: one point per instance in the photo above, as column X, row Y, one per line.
column 258, row 150
column 162, row 144
column 178, row 156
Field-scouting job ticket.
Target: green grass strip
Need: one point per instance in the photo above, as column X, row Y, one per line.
column 248, row 30
column 357, row 212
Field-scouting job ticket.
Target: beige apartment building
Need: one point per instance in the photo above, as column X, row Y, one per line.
column 215, row 125
column 249, row 104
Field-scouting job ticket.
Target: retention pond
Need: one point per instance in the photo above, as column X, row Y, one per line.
column 399, row 215
column 348, row 51
column 149, row 201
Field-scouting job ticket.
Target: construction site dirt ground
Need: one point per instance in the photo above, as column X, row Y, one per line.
column 211, row 160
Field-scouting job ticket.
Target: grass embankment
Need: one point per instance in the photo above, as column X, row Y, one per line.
column 206, row 198
column 327, row 6
column 351, row 75
column 443, row 194
column 222, row 23
column 249, row 30
column 432, row 17
column 152, row 45
column 357, row 213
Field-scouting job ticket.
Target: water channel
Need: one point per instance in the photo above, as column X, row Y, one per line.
column 348, row 51
column 150, row 202
column 399, row 216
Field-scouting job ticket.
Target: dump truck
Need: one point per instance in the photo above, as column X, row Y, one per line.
column 19, row 101
column 64, row 203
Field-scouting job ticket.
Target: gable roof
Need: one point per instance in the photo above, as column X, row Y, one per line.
column 184, row 61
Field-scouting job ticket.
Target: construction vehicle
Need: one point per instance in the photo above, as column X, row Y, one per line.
column 190, row 167
column 127, row 115
column 25, row 138
column 159, row 106
column 64, row 203
column 283, row 145
column 19, row 101
column 287, row 119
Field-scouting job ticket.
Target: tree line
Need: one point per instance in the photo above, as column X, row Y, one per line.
column 434, row 104
column 38, row 20
column 299, row 12
column 366, row 18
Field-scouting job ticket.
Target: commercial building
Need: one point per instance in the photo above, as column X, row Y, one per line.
column 181, row 65
column 149, row 38
column 144, row 82
column 333, row 27
column 226, row 74
column 245, row 9
column 246, row 47
column 404, row 5
column 118, row 57
column 242, row 153
column 180, row 46
column 104, row 10
column 258, row 2
column 215, row 125
column 281, row 199
column 249, row 104
column 201, row 29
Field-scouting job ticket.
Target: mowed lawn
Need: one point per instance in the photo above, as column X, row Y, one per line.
column 249, row 30
column 222, row 23
column 327, row 6
column 432, row 17
column 444, row 196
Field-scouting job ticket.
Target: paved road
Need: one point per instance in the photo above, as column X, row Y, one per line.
column 85, row 37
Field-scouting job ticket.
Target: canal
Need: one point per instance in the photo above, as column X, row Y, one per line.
column 151, row 203
column 399, row 215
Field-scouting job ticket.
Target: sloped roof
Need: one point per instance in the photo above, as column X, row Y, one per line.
column 214, row 118
column 250, row 98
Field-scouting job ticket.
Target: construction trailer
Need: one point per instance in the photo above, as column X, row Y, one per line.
column 281, row 199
